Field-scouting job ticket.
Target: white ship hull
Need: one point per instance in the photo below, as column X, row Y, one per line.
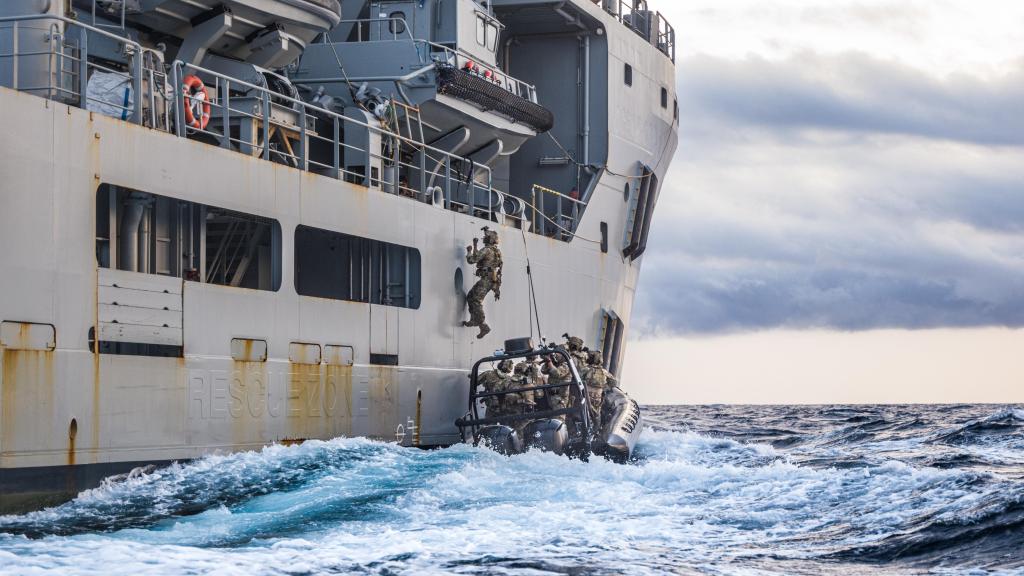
column 133, row 409
column 70, row 415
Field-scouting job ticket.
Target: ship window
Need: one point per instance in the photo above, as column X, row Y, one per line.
column 345, row 267
column 492, row 36
column 664, row 98
column 628, row 75
column 675, row 108
column 384, row 359
column 396, row 24
column 481, row 30
column 152, row 234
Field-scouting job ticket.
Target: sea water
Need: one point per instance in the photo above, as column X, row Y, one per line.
column 713, row 490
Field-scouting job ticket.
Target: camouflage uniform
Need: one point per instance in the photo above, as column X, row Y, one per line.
column 496, row 381
column 488, row 270
column 596, row 380
column 558, row 372
column 574, row 345
column 523, row 377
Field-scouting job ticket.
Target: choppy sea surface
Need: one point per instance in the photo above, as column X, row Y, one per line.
column 714, row 490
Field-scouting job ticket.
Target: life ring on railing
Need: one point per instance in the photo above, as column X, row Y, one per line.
column 197, row 102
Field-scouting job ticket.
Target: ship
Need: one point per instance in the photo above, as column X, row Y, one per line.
column 233, row 223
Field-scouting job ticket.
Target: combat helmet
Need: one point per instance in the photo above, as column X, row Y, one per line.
column 505, row 366
column 573, row 343
column 490, row 236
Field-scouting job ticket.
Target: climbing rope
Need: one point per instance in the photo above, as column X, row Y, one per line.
column 534, row 311
column 661, row 158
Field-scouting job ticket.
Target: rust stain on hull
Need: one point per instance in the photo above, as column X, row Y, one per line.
column 319, row 401
column 248, row 406
column 384, row 401
column 28, row 406
column 305, row 410
column 72, row 434
column 338, row 392
column 95, row 424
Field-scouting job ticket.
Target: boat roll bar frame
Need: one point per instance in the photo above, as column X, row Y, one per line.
column 580, row 442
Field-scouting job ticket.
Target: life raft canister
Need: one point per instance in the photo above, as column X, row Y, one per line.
column 198, row 98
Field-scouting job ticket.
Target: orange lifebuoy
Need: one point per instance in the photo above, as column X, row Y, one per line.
column 196, row 96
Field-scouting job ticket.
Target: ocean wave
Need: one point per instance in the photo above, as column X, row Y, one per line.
column 990, row 537
column 692, row 500
column 1009, row 422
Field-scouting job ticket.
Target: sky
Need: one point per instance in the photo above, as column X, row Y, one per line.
column 849, row 182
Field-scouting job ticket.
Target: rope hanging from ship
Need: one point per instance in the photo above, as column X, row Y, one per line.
column 534, row 309
column 661, row 157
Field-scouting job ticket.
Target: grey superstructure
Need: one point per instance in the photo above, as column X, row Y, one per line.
column 229, row 223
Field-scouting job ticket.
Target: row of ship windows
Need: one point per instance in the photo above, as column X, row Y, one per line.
column 148, row 233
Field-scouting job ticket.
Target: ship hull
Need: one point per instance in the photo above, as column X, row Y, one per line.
column 71, row 414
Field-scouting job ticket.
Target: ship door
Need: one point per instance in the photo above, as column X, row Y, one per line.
column 383, row 335
column 383, row 381
column 396, row 21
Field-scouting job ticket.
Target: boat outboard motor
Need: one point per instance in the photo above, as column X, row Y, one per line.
column 501, row 439
column 548, row 435
column 624, row 425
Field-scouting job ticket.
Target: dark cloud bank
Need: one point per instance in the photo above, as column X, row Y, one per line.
column 839, row 192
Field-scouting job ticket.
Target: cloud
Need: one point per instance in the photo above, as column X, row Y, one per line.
column 855, row 93
column 838, row 192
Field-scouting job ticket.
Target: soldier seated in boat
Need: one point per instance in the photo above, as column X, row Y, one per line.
column 526, row 375
column 494, row 381
column 558, row 372
column 575, row 346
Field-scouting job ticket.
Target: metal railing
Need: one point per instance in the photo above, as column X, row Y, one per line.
column 69, row 67
column 395, row 27
column 407, row 167
column 554, row 214
column 440, row 53
column 651, row 26
column 434, row 53
column 247, row 118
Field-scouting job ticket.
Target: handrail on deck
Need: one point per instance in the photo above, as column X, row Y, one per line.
column 564, row 226
column 453, row 56
column 652, row 26
column 394, row 33
column 82, row 60
column 430, row 159
column 444, row 178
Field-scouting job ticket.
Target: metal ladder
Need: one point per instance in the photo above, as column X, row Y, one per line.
column 409, row 115
column 409, row 125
